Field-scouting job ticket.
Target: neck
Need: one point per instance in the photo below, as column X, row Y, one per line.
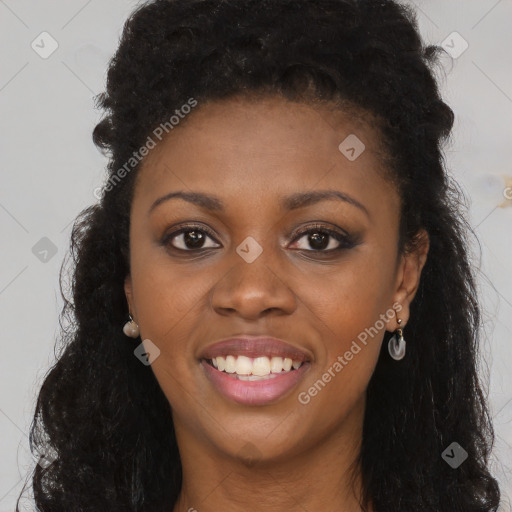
column 323, row 477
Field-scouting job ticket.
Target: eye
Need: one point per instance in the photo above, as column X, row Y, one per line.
column 324, row 239
column 321, row 239
column 189, row 238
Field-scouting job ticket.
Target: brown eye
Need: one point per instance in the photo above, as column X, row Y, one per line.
column 319, row 241
column 189, row 238
column 323, row 239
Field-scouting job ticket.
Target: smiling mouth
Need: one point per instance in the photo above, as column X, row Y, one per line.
column 247, row 388
column 254, row 368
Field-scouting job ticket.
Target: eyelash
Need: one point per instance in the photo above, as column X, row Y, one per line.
column 346, row 241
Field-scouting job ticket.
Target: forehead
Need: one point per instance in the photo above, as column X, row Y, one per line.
column 267, row 147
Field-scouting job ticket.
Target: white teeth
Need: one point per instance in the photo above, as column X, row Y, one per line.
column 261, row 366
column 254, row 367
column 243, row 365
column 276, row 364
column 221, row 363
column 230, row 366
column 254, row 377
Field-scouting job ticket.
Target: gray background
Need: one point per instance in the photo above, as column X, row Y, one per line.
column 50, row 168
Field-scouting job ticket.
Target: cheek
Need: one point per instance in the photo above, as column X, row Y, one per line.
column 169, row 303
column 167, row 295
column 351, row 343
column 167, row 299
column 353, row 296
column 350, row 307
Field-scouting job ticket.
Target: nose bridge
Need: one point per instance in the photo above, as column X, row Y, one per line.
column 253, row 284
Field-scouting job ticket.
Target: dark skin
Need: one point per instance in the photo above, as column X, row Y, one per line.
column 250, row 155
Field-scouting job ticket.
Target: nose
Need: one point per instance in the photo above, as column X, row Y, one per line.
column 251, row 290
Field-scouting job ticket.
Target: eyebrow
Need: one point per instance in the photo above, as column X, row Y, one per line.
column 292, row 202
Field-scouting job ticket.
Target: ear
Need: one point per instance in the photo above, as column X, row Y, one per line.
column 129, row 295
column 408, row 279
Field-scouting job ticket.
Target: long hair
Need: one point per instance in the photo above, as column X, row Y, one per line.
column 104, row 415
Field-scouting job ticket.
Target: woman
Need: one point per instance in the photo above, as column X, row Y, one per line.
column 272, row 304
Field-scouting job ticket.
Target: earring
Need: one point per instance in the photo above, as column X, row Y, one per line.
column 131, row 329
column 396, row 347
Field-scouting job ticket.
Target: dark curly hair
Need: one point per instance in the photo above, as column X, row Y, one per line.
column 104, row 414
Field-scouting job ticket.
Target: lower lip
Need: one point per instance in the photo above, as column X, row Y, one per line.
column 258, row 392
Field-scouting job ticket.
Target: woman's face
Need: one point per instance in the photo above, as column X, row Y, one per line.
column 244, row 267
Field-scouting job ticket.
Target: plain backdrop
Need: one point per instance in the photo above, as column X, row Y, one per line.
column 50, row 168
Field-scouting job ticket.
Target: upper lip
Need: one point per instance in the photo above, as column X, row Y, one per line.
column 250, row 346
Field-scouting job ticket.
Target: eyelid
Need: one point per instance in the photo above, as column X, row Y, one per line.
column 180, row 228
column 326, row 227
column 345, row 240
column 318, row 225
